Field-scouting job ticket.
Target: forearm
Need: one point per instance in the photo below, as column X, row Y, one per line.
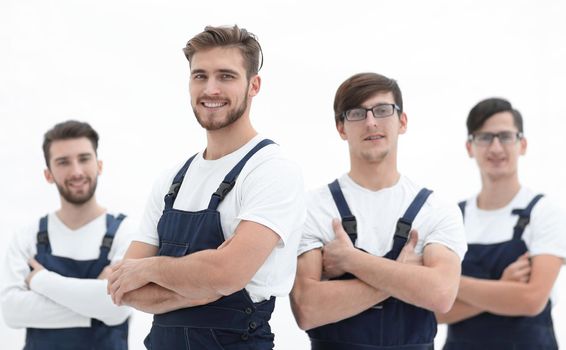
column 196, row 276
column 316, row 303
column 423, row 286
column 28, row 309
column 155, row 299
column 86, row 297
column 501, row 297
column 459, row 312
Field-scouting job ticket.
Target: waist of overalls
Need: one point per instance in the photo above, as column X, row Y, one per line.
column 233, row 312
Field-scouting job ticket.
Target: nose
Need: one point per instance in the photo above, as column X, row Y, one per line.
column 212, row 87
column 76, row 169
column 495, row 145
column 370, row 120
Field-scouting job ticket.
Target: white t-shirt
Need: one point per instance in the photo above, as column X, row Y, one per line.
column 377, row 213
column 54, row 301
column 268, row 191
column 543, row 235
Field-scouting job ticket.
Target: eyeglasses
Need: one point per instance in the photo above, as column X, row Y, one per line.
column 486, row 138
column 379, row 111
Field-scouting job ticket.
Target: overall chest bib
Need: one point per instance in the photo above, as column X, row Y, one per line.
column 232, row 322
column 392, row 324
column 98, row 335
column 488, row 331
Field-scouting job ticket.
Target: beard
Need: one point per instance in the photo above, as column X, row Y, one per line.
column 232, row 116
column 77, row 198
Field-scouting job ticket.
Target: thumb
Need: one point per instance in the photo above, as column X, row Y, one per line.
column 34, row 263
column 338, row 229
column 413, row 239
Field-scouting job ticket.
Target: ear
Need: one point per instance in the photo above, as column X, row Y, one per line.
column 99, row 165
column 469, row 149
column 522, row 146
column 341, row 131
column 403, row 120
column 48, row 175
column 254, row 86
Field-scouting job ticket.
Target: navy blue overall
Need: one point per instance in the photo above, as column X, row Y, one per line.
column 232, row 322
column 392, row 324
column 492, row 332
column 98, row 335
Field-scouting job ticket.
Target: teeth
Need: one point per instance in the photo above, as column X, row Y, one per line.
column 213, row 104
column 373, row 137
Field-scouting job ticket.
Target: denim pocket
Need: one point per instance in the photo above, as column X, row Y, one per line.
column 175, row 249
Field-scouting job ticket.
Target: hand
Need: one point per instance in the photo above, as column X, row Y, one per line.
column 105, row 273
column 519, row 270
column 408, row 255
column 36, row 267
column 334, row 254
column 126, row 276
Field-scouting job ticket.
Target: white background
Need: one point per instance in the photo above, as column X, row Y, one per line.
column 119, row 66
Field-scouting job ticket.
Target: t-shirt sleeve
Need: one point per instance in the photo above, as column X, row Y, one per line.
column 447, row 228
column 124, row 236
column 548, row 226
column 311, row 237
column 273, row 195
column 147, row 231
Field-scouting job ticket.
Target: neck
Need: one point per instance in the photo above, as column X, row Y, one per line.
column 497, row 193
column 228, row 139
column 374, row 176
column 75, row 216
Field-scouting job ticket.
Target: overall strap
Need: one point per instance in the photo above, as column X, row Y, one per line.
column 462, row 206
column 43, row 245
column 230, row 179
column 348, row 220
column 405, row 223
column 177, row 181
column 112, row 225
column 524, row 217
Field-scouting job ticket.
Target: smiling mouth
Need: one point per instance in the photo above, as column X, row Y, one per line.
column 373, row 137
column 213, row 104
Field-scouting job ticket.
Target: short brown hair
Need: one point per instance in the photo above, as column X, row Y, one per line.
column 225, row 36
column 485, row 109
column 359, row 87
column 70, row 129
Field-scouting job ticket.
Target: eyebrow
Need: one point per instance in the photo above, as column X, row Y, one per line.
column 80, row 155
column 224, row 70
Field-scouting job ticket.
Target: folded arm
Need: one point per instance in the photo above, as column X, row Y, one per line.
column 205, row 275
column 316, row 303
column 510, row 298
column 440, row 274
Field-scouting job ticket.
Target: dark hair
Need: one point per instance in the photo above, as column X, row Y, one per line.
column 486, row 109
column 70, row 129
column 225, row 36
column 359, row 87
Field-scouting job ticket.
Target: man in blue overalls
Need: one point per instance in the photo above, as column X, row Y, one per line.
column 55, row 270
column 516, row 244
column 368, row 280
column 225, row 225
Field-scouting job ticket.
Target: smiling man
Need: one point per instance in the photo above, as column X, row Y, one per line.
column 516, row 244
column 364, row 280
column 225, row 226
column 54, row 275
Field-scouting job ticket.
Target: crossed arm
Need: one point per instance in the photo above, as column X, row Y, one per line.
column 522, row 291
column 159, row 284
column 317, row 302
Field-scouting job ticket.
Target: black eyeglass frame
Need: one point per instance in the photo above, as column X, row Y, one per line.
column 395, row 108
column 473, row 137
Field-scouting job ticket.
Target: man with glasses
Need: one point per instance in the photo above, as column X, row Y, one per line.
column 516, row 244
column 368, row 280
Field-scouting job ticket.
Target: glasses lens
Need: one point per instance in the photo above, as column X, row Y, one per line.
column 382, row 111
column 483, row 138
column 356, row 114
column 507, row 137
